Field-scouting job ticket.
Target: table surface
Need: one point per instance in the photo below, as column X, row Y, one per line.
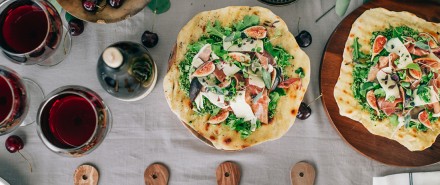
column 147, row 131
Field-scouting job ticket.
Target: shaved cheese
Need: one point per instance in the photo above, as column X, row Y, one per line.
column 256, row 80
column 389, row 86
column 216, row 99
column 394, row 45
column 214, row 56
column 196, row 62
column 247, row 45
column 240, row 108
column 229, row 68
column 199, row 101
column 418, row 101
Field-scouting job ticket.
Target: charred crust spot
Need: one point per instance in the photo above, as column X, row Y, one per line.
column 340, row 99
column 352, row 35
column 216, row 132
column 344, row 91
column 244, row 146
column 212, row 138
column 207, row 126
column 228, row 140
column 204, row 28
column 293, row 112
column 269, row 122
column 350, row 111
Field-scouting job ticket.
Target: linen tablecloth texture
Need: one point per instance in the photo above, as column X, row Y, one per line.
column 147, row 131
column 421, row 178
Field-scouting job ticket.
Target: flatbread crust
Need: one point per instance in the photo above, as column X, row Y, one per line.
column 222, row 136
column 379, row 19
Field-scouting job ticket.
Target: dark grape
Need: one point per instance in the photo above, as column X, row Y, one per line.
column 304, row 39
column 115, row 3
column 149, row 39
column 14, row 144
column 90, row 5
column 76, row 27
column 304, row 111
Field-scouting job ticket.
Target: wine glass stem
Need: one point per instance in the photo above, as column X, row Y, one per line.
column 35, row 97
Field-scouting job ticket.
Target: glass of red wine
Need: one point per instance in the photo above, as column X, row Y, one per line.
column 19, row 100
column 32, row 32
column 73, row 121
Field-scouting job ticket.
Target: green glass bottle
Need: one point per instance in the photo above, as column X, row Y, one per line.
column 159, row 6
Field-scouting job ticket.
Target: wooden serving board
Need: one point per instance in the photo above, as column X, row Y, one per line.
column 355, row 134
column 105, row 14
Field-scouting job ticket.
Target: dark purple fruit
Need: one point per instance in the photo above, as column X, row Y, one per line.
column 304, row 39
column 149, row 39
column 14, row 144
column 90, row 5
column 115, row 3
column 304, row 111
column 76, row 27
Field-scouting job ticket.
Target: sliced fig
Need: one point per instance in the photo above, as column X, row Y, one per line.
column 240, row 57
column 256, row 32
column 205, row 69
column 225, row 83
column 264, row 61
column 219, row 74
column 424, row 118
column 379, row 44
column 372, row 101
column 220, row 117
column 194, row 89
column 416, row 74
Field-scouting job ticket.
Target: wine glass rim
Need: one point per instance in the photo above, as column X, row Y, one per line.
column 13, row 97
column 46, row 14
column 59, row 92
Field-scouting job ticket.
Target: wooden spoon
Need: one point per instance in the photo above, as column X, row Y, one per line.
column 156, row 174
column 228, row 173
column 303, row 174
column 86, row 175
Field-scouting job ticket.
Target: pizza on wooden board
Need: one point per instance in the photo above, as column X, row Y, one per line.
column 389, row 79
column 238, row 76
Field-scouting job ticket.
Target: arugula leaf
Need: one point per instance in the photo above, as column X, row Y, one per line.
column 266, row 78
column 413, row 66
column 215, row 29
column 379, row 93
column 300, row 72
column 239, row 125
column 394, row 119
column 423, row 93
column 248, row 21
column 357, row 54
column 274, row 96
column 281, row 56
column 208, row 108
column 422, row 45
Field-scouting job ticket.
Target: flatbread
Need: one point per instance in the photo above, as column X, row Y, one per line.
column 222, row 136
column 379, row 19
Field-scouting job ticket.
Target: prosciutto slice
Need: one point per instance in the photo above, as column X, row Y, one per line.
column 388, row 107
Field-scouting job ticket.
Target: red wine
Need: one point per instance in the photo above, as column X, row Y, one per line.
column 24, row 27
column 72, row 120
column 6, row 98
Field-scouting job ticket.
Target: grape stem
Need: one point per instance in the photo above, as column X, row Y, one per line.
column 315, row 100
column 30, row 165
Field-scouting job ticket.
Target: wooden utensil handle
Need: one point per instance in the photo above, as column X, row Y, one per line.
column 303, row 174
column 156, row 174
column 228, row 173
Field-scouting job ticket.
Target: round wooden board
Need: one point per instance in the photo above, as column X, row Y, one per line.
column 106, row 14
column 375, row 147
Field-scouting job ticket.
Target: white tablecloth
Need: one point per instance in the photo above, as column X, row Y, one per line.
column 147, row 131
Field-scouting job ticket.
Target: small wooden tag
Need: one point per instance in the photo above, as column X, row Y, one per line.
column 156, row 174
column 86, row 175
column 228, row 173
column 303, row 174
